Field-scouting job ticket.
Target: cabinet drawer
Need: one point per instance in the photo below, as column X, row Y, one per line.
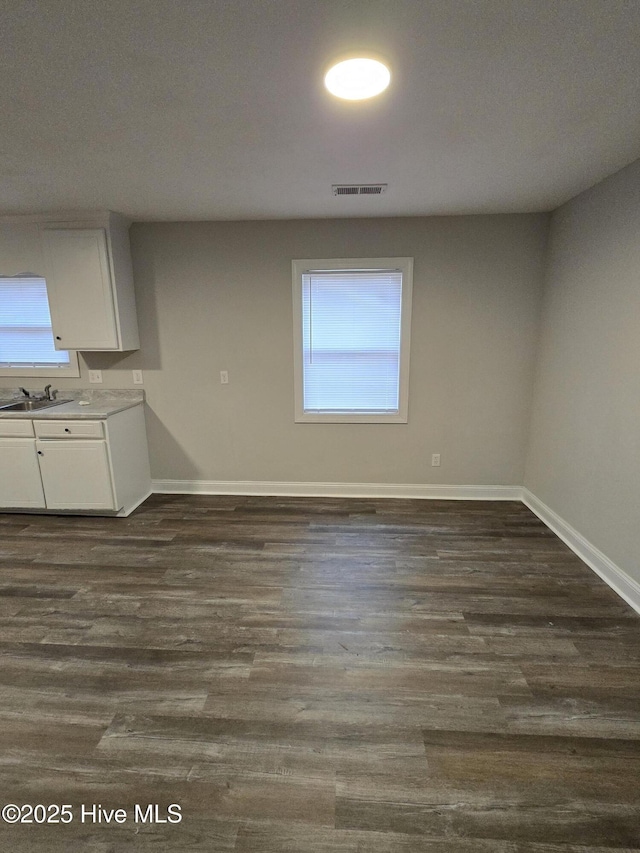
column 69, row 429
column 16, row 429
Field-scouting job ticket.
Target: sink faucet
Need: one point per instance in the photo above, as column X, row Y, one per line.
column 47, row 394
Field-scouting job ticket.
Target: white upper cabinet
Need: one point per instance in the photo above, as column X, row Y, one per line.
column 79, row 288
column 86, row 263
column 90, row 286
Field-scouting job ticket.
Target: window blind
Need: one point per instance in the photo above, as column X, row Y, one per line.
column 351, row 340
column 26, row 339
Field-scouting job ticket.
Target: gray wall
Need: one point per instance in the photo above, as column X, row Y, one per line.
column 217, row 296
column 584, row 455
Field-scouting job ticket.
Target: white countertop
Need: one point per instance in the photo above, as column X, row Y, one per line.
column 87, row 405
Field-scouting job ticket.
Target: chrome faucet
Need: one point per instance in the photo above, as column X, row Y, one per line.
column 47, row 394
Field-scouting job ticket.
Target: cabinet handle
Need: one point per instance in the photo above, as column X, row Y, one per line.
column 66, row 429
column 58, row 338
column 40, row 453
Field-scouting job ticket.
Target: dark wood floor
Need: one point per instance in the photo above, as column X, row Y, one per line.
column 316, row 676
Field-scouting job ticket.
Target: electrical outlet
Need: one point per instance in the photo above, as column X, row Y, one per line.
column 224, row 377
column 137, row 377
column 435, row 460
column 95, row 377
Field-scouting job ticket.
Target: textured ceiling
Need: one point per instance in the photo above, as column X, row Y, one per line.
column 214, row 109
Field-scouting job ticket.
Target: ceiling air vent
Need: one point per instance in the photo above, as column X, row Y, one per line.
column 359, row 189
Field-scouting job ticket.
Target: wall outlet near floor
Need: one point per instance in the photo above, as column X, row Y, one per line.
column 435, row 460
column 224, row 377
column 95, row 377
column 137, row 377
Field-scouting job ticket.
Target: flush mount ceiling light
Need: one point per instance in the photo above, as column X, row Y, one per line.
column 357, row 79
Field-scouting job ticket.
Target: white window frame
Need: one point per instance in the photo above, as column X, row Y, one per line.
column 299, row 268
column 44, row 371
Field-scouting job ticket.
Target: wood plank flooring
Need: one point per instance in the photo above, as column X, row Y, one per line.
column 316, row 676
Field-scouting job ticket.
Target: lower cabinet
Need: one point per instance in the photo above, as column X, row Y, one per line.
column 75, row 466
column 20, row 483
column 76, row 474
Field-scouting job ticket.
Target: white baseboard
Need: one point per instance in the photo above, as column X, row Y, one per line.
column 338, row 490
column 615, row 577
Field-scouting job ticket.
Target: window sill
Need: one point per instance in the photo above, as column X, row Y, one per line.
column 336, row 418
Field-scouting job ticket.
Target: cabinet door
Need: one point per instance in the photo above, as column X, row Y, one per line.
column 80, row 289
column 20, row 483
column 76, row 474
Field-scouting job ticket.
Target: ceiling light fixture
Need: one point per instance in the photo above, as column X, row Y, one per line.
column 357, row 79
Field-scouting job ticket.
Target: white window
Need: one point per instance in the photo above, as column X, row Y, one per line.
column 351, row 337
column 26, row 339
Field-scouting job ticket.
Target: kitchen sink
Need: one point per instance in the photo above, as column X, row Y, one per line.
column 30, row 405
